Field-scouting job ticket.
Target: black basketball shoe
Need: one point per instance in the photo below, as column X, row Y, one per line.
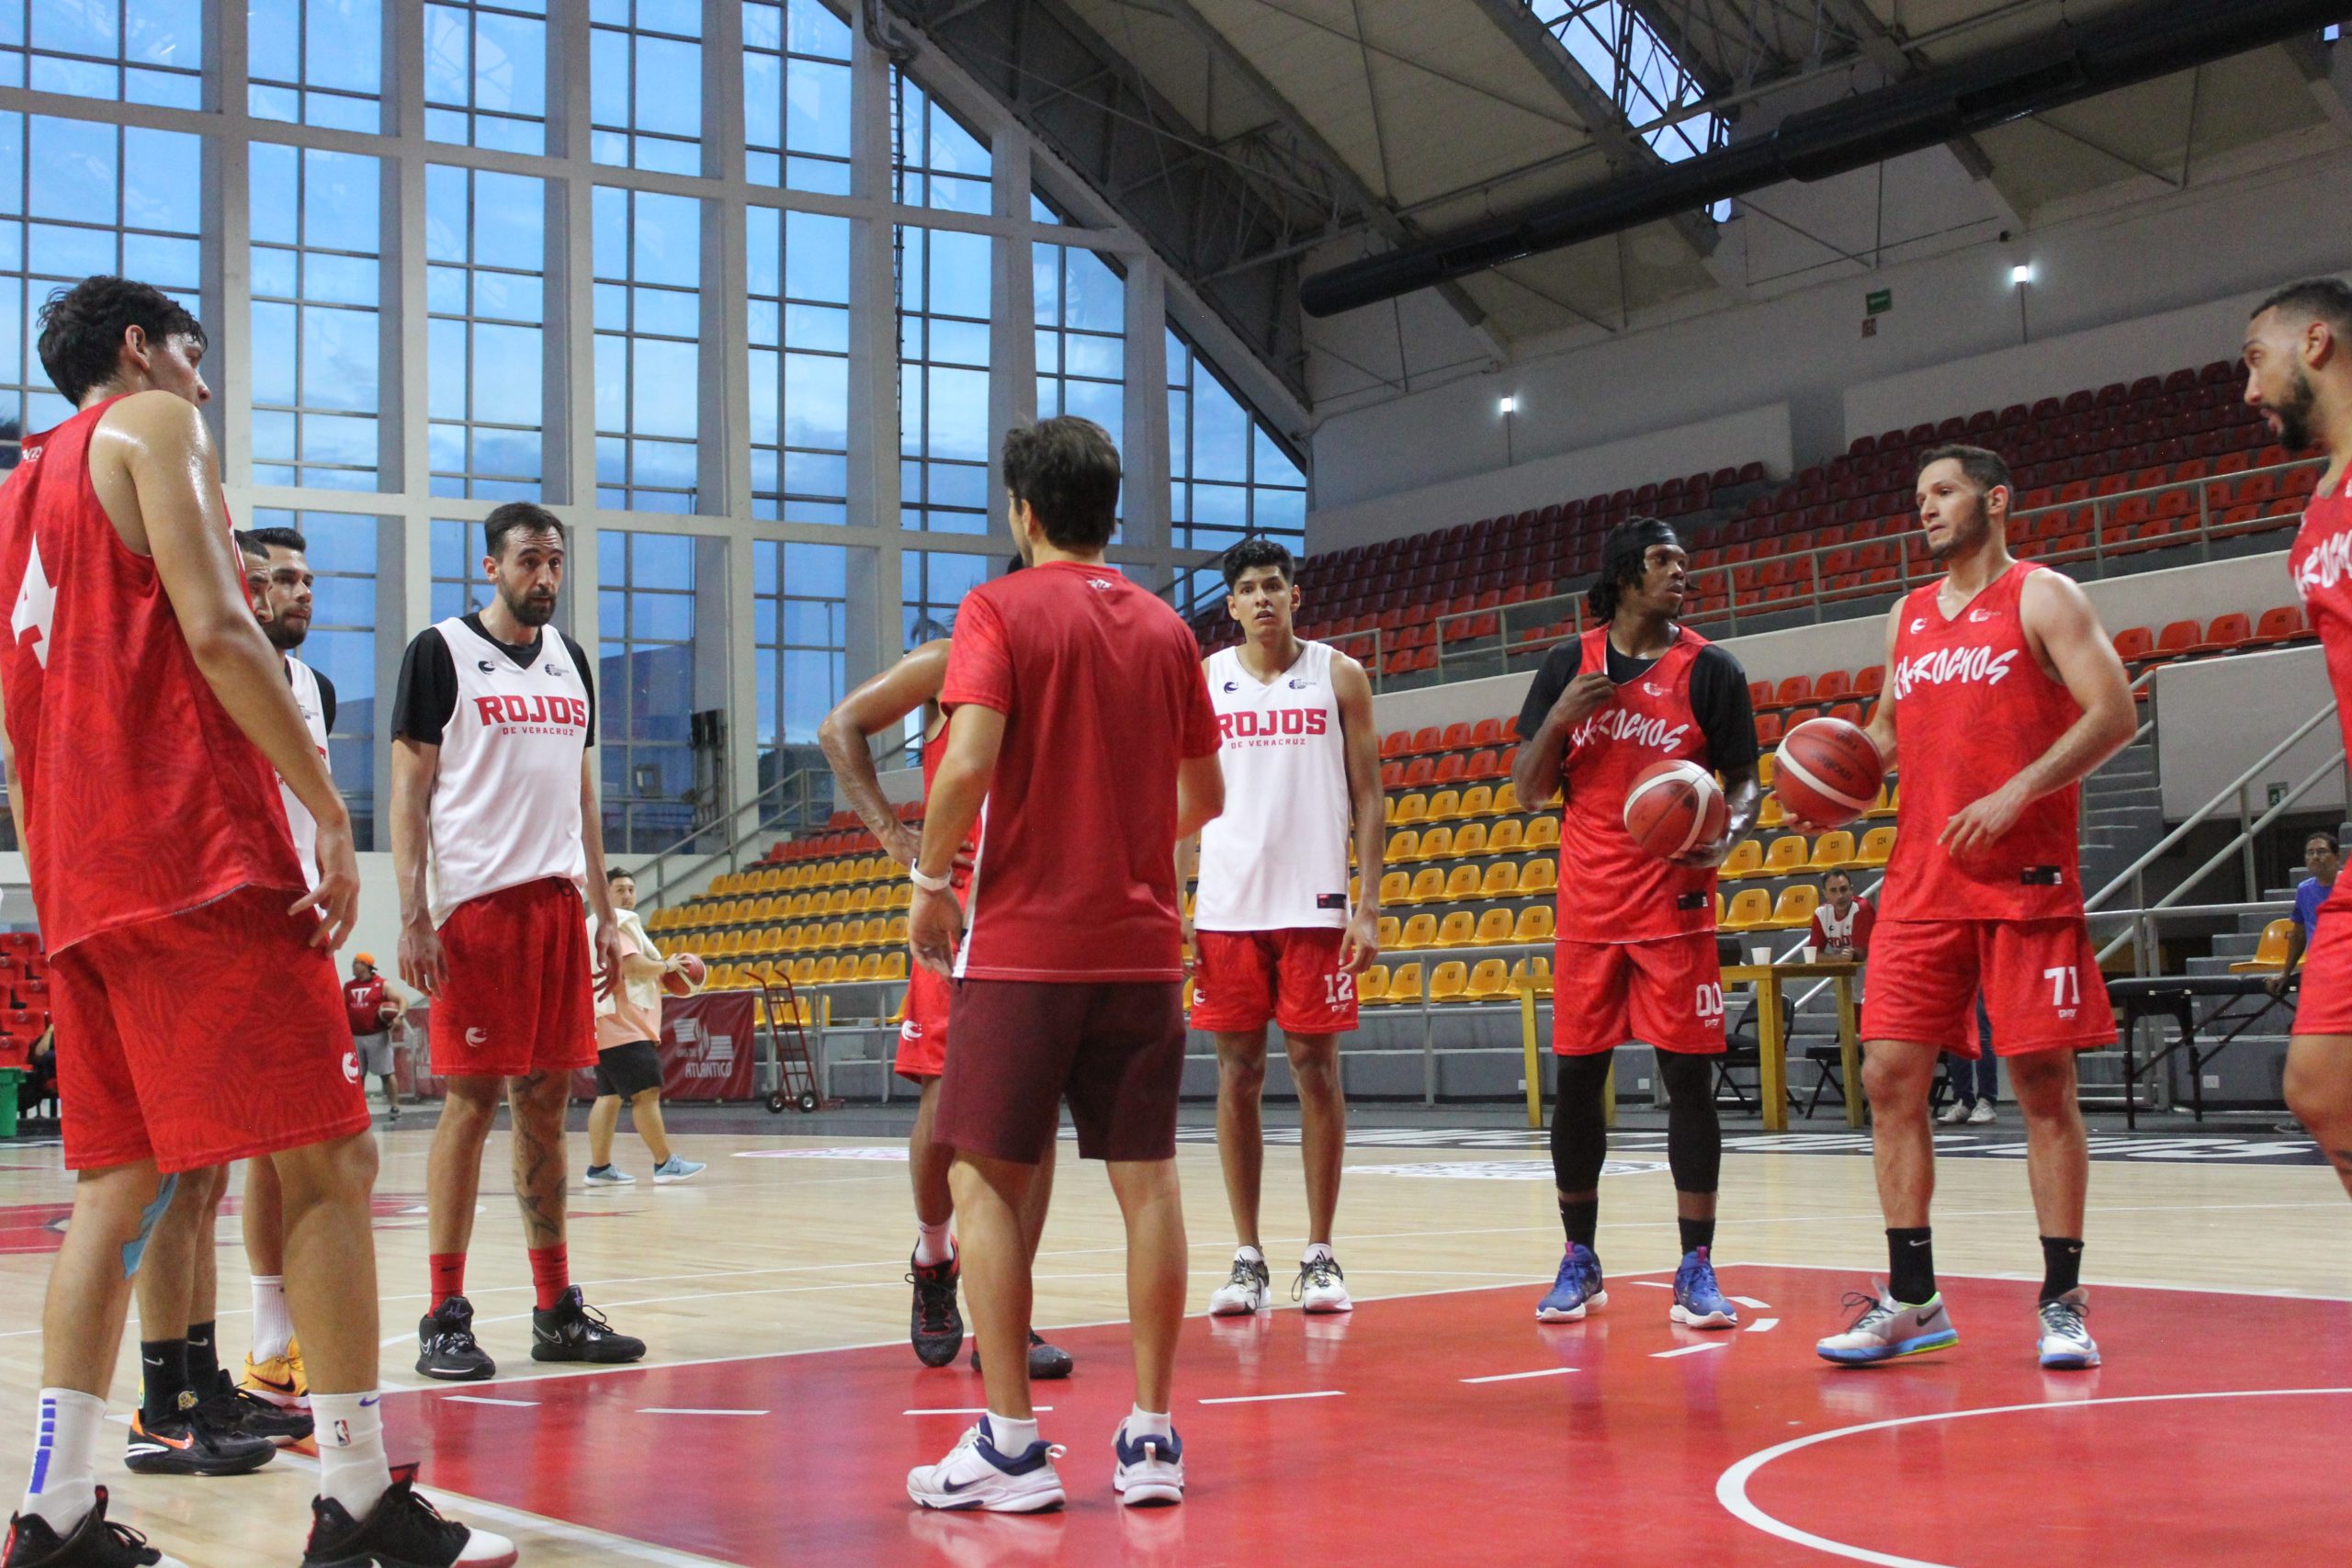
column 937, row 1328
column 230, row 1409
column 189, row 1442
column 445, row 1348
column 1046, row 1362
column 94, row 1544
column 574, row 1331
column 403, row 1531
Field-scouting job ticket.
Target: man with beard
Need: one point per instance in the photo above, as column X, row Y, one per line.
column 2299, row 375
column 491, row 731
column 2003, row 693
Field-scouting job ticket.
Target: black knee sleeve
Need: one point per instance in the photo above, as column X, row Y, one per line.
column 1580, row 1121
column 1694, row 1133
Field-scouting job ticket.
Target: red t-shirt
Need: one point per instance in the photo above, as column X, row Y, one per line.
column 2321, row 563
column 1102, row 690
column 361, row 1000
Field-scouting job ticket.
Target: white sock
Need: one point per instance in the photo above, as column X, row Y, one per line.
column 64, row 1485
column 1314, row 1249
column 352, row 1466
column 1250, row 1254
column 273, row 1329
column 1142, row 1422
column 932, row 1245
column 1009, row 1437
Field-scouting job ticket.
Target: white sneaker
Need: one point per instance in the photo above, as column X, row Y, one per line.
column 1888, row 1329
column 974, row 1476
column 1320, row 1287
column 1983, row 1113
column 2067, row 1344
column 1249, row 1288
column 608, row 1176
column 677, row 1167
column 1952, row 1115
column 1150, row 1468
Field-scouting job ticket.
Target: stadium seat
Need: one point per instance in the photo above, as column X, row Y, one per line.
column 1501, row 882
column 1478, row 800
column 1464, row 883
column 1401, row 848
column 1426, row 738
column 1533, row 925
column 1470, row 839
column 1429, row 887
column 1494, row 929
column 1747, row 859
column 1388, row 931
column 1419, row 932
column 1538, row 879
column 1396, row 887
column 1795, row 907
column 2178, row 639
column 1487, row 732
column 1459, row 929
column 1409, row 809
column 1766, row 762
column 1455, row 738
column 1751, row 909
column 1507, row 800
column 1785, row 857
column 1418, row 773
column 1392, row 775
column 1372, row 986
column 1489, row 981
column 894, row 966
column 2133, row 644
column 1437, row 843
column 1767, row 729
column 1444, row 806
column 1771, row 814
column 2269, row 954
column 1451, row 768
column 1832, row 851
column 1544, row 833
column 1405, row 983
column 2226, row 635
column 1534, row 974
column 2281, row 622
column 1505, row 838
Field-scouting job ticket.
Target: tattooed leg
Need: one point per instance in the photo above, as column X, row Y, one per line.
column 538, row 1102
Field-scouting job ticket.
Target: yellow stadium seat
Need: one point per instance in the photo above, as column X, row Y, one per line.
column 1766, row 765
column 1463, row 883
column 1372, row 986
column 1445, row 805
column 1751, row 910
column 1771, row 815
column 902, row 895
column 1419, row 932
column 1494, row 928
column 1533, row 925
column 1387, row 932
column 1436, row 843
column 1877, row 847
column 1490, row 981
column 1404, row 982
column 1796, row 906
column 895, row 931
column 2269, row 954
column 1402, row 847
column 1544, row 833
column 804, row 971
column 1785, row 857
column 1388, row 812
column 1396, row 887
column 1355, row 891
column 1477, row 801
column 1832, row 851
column 1888, row 801
column 1502, row 882
column 1412, row 808
column 1450, row 982
column 1539, row 879
column 1535, row 972
column 870, row 966
column 833, row 934
column 1459, row 929
column 861, row 899
column 798, row 908
column 828, row 970
column 1505, row 838
column 1747, row 859
column 1470, row 839
column 894, row 966
column 1507, row 800
column 1429, row 887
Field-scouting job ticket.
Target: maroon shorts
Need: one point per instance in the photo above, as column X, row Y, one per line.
column 518, row 999
column 2040, row 980
column 923, row 1034
column 1667, row 994
column 1243, row 980
column 203, row 1037
column 1114, row 1049
column 2324, row 1005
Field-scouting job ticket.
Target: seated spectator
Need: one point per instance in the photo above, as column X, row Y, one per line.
column 1841, row 923
column 2320, row 858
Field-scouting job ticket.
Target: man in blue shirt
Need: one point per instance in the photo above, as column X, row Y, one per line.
column 2320, row 859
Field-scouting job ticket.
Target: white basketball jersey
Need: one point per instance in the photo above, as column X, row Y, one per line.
column 305, row 684
column 1839, row 933
column 505, row 808
column 1277, row 859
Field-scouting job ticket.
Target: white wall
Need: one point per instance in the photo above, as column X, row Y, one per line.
column 2216, row 718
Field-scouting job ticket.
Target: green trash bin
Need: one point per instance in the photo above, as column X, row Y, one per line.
column 9, row 1079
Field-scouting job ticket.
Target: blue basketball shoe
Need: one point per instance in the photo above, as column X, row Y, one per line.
column 1698, row 1301
column 1578, row 1289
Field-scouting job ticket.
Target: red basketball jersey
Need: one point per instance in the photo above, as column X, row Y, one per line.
column 1612, row 890
column 934, row 752
column 1972, row 708
column 141, row 797
column 361, row 1000
column 2321, row 563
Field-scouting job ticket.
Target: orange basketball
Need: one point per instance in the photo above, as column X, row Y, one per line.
column 1829, row 773
column 1674, row 807
column 687, row 977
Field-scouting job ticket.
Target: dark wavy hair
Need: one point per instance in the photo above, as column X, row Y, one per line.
column 81, row 328
column 1623, row 554
column 1251, row 554
column 1068, row 470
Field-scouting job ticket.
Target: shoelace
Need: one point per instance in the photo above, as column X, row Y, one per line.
column 1697, row 1278
column 2062, row 1317
column 1244, row 1275
column 1318, row 1273
column 933, row 1299
column 1876, row 1311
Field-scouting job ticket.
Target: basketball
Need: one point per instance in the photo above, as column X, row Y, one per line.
column 687, row 977
column 1674, row 807
column 1829, row 773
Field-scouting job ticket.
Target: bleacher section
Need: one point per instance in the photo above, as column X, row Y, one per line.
column 23, row 996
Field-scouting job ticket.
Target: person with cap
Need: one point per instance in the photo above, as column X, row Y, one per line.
column 375, row 1013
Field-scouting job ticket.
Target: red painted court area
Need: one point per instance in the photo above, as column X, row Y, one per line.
column 1453, row 1429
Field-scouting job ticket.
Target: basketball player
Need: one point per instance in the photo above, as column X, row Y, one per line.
column 144, row 713
column 1635, row 955
column 2298, row 373
column 879, row 707
column 375, row 1010
column 628, row 1051
column 1078, row 706
column 2002, row 694
column 1274, row 937
column 492, row 734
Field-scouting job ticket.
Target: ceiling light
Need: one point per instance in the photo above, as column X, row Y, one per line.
column 1509, row 405
column 2022, row 272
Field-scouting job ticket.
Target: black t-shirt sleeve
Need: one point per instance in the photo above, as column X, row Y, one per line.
column 587, row 679
column 427, row 698
column 326, row 700
column 1558, row 669
column 1727, row 714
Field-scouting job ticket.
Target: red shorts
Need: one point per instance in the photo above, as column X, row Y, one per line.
column 2040, row 980
column 922, row 1036
column 203, row 1037
column 2324, row 1000
column 1114, row 1050
column 518, row 998
column 1667, row 994
column 1241, row 980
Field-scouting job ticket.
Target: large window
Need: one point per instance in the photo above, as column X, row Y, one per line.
column 78, row 197
column 802, row 609
column 647, row 624
column 796, row 96
column 940, row 163
column 797, row 284
column 1616, row 46
column 313, row 61
column 457, row 552
column 316, row 344
column 341, row 647
column 645, row 103
column 1082, row 335
column 485, row 236
column 931, row 583
column 649, row 300
column 486, row 74
column 1228, row 476
column 142, row 51
column 943, row 380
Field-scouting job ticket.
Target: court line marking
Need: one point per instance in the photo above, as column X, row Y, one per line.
column 689, row 1410
column 1764, row 1325
column 1515, row 1377
column 1690, row 1349
column 975, row 1410
column 1731, row 1487
column 1270, row 1398
column 1752, row 1304
column 478, row 1399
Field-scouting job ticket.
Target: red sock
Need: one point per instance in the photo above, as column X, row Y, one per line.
column 550, row 1274
column 448, row 1275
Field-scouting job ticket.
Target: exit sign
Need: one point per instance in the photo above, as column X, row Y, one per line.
column 1879, row 302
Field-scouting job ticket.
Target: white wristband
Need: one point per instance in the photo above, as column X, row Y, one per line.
column 928, row 883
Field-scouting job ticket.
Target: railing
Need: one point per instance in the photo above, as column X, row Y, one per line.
column 804, row 798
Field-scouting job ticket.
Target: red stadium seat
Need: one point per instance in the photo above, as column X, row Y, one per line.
column 2179, row 638
column 1767, row 729
column 2281, row 622
column 1792, row 690
column 1426, row 738
column 2226, row 635
column 2134, row 643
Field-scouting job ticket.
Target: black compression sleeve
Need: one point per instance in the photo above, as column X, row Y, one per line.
column 1580, row 1121
column 1694, row 1133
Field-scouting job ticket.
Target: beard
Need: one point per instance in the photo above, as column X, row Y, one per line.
column 1963, row 537
column 2294, row 412
column 532, row 613
column 283, row 637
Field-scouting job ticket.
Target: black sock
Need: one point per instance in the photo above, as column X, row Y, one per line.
column 1910, row 1265
column 203, row 1359
column 162, row 1378
column 2062, row 1266
column 1580, row 1217
column 1696, row 1233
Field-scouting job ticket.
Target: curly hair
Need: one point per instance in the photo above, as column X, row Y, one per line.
column 81, row 328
